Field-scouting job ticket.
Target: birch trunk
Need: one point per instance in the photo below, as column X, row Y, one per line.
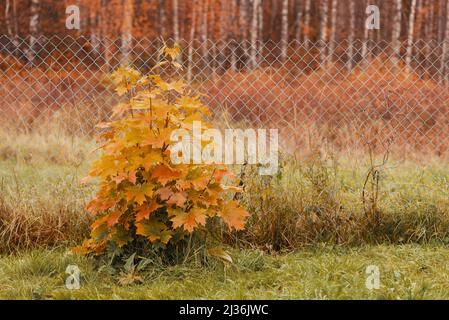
column 254, row 34
column 191, row 44
column 243, row 23
column 94, row 32
column 233, row 43
column 323, row 30
column 203, row 33
column 396, row 34
column 127, row 26
column 104, row 15
column 429, row 36
column 332, row 40
column 445, row 54
column 284, row 31
column 298, row 21
column 411, row 34
column 307, row 24
column 260, row 25
column 162, row 17
column 351, row 39
column 34, row 30
column 175, row 21
column 11, row 24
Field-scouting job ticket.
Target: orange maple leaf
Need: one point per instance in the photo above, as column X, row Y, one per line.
column 144, row 211
column 189, row 220
column 164, row 174
column 234, row 215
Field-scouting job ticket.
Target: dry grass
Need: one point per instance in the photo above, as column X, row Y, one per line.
column 315, row 198
column 41, row 201
column 318, row 199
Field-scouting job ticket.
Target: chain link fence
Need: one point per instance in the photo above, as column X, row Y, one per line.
column 342, row 93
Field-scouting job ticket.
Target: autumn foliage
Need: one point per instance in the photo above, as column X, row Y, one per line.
column 142, row 194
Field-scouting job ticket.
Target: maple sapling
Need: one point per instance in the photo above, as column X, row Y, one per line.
column 142, row 194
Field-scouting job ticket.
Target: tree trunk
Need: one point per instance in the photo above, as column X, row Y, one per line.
column 274, row 11
column 175, row 21
column 260, row 25
column 162, row 18
column 204, row 33
column 34, row 30
column 396, row 34
column 411, row 34
column 127, row 27
column 441, row 21
column 298, row 21
column 104, row 18
column 323, row 30
column 445, row 56
column 233, row 42
column 191, row 44
column 307, row 24
column 94, row 29
column 254, row 34
column 365, row 41
column 332, row 40
column 351, row 39
column 284, row 31
column 243, row 23
column 429, row 36
column 11, row 24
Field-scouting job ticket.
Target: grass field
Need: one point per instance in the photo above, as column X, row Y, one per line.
column 281, row 256
column 406, row 272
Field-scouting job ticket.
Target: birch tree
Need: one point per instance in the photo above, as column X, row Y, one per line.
column 445, row 54
column 204, row 31
column 396, row 34
column 243, row 24
column 127, row 26
column 351, row 39
column 175, row 21
column 95, row 21
column 411, row 34
column 162, row 17
column 11, row 23
column 323, row 29
column 428, row 31
column 332, row 40
column 308, row 5
column 233, row 44
column 298, row 21
column 191, row 44
column 366, row 34
column 441, row 21
column 34, row 29
column 260, row 24
column 105, row 33
column 284, row 31
column 254, row 33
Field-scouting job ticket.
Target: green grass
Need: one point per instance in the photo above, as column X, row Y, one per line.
column 406, row 272
column 313, row 201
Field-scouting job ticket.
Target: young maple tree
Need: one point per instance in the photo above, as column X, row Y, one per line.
column 142, row 194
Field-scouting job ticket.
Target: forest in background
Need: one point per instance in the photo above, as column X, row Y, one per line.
column 280, row 62
column 250, row 23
